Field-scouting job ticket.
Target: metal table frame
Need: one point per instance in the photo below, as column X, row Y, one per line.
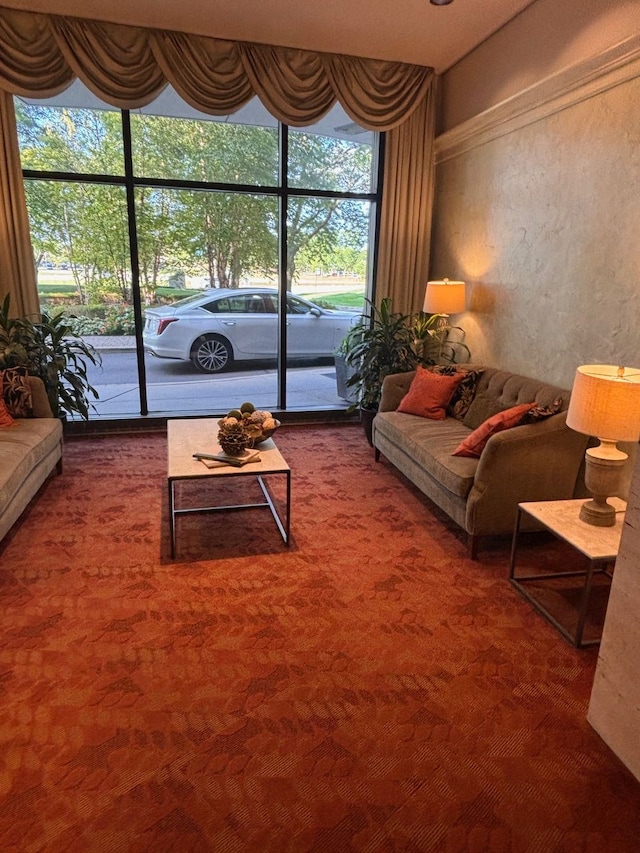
column 582, row 537
column 283, row 526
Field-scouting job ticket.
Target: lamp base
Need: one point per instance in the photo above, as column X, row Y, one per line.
column 603, row 470
column 598, row 513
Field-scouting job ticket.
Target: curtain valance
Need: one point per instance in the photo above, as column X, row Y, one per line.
column 41, row 55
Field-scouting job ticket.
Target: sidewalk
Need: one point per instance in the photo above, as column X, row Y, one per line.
column 113, row 343
column 308, row 387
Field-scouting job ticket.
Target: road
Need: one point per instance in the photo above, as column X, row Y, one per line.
column 121, row 368
column 177, row 388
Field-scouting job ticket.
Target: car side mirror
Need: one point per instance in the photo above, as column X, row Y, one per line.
column 316, row 312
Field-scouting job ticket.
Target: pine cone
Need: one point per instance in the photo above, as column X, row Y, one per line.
column 233, row 439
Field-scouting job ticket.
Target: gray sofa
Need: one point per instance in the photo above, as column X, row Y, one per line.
column 531, row 462
column 29, row 452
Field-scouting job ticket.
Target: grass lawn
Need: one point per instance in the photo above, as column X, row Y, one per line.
column 52, row 283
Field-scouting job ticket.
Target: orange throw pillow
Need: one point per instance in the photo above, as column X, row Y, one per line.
column 429, row 394
column 5, row 418
column 474, row 444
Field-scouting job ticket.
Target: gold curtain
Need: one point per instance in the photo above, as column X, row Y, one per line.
column 128, row 67
column 17, row 272
column 405, row 224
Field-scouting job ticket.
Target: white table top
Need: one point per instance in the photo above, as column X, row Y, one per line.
column 562, row 518
column 200, row 435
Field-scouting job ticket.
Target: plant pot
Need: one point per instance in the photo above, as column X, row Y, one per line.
column 343, row 373
column 366, row 419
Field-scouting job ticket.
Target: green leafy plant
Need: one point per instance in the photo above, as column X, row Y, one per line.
column 436, row 342
column 381, row 343
column 48, row 349
column 16, row 338
column 385, row 341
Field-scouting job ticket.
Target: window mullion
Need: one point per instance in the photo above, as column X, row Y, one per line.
column 282, row 267
column 133, row 253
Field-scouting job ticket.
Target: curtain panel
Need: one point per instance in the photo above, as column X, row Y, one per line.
column 128, row 67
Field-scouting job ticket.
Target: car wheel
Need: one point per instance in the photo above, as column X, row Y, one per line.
column 211, row 354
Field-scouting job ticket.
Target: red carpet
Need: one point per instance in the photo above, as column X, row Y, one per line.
column 368, row 689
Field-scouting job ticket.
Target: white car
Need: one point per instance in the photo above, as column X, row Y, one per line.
column 215, row 328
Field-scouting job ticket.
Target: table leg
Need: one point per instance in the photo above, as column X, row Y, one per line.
column 584, row 604
column 514, row 544
column 172, row 519
column 283, row 528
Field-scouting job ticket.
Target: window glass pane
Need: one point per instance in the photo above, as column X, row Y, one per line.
column 81, row 245
column 196, row 239
column 225, row 241
column 334, row 154
column 328, row 265
column 173, row 141
column 58, row 138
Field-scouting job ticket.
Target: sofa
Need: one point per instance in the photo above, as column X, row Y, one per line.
column 30, row 450
column 541, row 460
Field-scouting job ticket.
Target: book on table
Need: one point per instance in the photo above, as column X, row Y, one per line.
column 219, row 460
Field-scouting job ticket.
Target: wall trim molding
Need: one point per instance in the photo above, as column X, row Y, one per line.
column 557, row 92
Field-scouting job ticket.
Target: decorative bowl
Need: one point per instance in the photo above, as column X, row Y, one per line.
column 265, row 434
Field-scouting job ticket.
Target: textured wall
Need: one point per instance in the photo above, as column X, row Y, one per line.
column 544, row 223
column 544, row 39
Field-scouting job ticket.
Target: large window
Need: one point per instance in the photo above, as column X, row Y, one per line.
column 194, row 249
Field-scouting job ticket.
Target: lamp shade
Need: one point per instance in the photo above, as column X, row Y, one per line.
column 444, row 297
column 605, row 402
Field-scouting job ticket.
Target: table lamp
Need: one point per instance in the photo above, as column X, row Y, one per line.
column 605, row 403
column 444, row 297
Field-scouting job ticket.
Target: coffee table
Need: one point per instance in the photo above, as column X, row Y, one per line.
column 188, row 436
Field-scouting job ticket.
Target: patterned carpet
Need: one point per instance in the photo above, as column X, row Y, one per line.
column 368, row 689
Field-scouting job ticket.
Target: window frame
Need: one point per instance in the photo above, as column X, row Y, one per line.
column 283, row 192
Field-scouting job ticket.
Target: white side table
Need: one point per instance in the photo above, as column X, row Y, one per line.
column 598, row 544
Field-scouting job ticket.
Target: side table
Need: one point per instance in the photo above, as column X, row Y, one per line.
column 598, row 544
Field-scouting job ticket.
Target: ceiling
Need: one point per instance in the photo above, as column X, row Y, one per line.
column 405, row 30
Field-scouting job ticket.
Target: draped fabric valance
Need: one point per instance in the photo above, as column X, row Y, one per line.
column 128, row 67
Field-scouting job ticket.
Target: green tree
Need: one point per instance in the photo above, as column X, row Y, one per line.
column 219, row 234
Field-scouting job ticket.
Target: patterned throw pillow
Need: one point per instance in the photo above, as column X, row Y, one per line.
column 539, row 413
column 466, row 390
column 5, row 418
column 16, row 391
column 474, row 444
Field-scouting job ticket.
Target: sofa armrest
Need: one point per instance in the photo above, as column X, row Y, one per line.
column 533, row 462
column 41, row 406
column 394, row 387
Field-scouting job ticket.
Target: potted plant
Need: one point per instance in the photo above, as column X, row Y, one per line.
column 436, row 342
column 48, row 349
column 381, row 343
column 344, row 372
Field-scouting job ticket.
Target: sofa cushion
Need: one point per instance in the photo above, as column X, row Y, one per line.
column 474, row 444
column 429, row 394
column 16, row 391
column 21, row 449
column 466, row 390
column 429, row 445
column 483, row 407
